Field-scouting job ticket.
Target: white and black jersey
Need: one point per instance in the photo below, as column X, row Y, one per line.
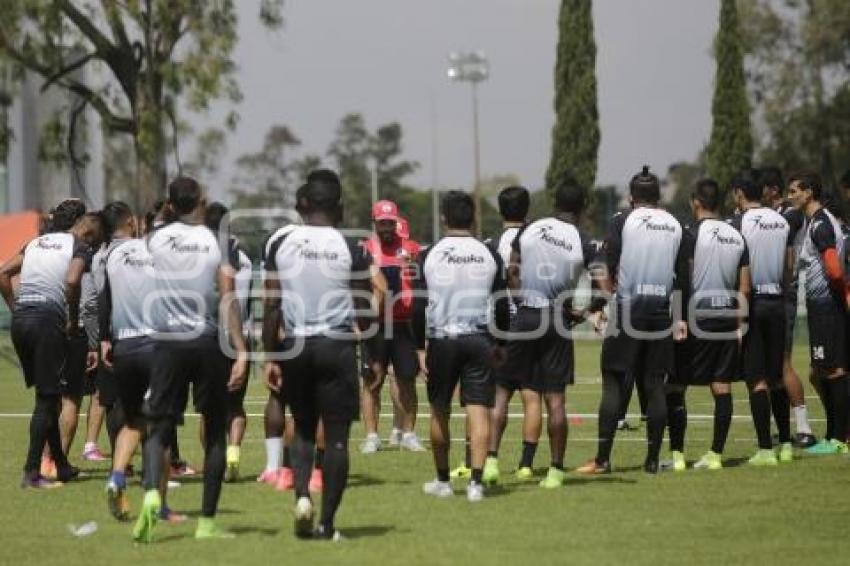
column 823, row 232
column 315, row 266
column 269, row 241
column 129, row 291
column 186, row 259
column 90, row 288
column 504, row 245
column 797, row 226
column 768, row 235
column 554, row 255
column 642, row 250
column 243, row 283
column 45, row 266
column 716, row 252
column 460, row 275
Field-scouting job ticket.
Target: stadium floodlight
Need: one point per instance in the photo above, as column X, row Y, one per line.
column 472, row 67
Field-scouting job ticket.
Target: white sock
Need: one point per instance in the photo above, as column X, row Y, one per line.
column 372, row 435
column 274, row 447
column 90, row 446
column 802, row 418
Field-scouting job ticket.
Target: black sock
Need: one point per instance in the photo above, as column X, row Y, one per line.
column 656, row 415
column 443, row 474
column 677, row 419
column 215, row 449
column 476, row 475
column 467, row 459
column 320, row 457
column 528, row 451
column 54, row 439
column 172, row 443
column 760, row 408
column 493, row 454
column 838, row 393
column 609, row 414
column 336, row 465
column 722, row 420
column 558, row 465
column 39, row 426
column 825, row 394
column 287, row 458
column 780, row 404
column 153, row 451
column 303, row 451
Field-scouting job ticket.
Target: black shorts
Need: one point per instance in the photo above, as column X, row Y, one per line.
column 133, row 362
column 543, row 363
column 321, row 381
column 176, row 364
column 827, row 334
column 76, row 381
column 397, row 348
column 40, row 342
column 703, row 362
column 464, row 360
column 764, row 341
column 107, row 387
column 790, row 319
column 640, row 354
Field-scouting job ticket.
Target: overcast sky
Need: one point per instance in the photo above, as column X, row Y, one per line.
column 387, row 60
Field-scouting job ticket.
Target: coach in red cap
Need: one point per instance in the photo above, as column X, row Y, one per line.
column 392, row 251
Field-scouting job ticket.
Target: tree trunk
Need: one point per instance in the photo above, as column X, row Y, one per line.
column 149, row 144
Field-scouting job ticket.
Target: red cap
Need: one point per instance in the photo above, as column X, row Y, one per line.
column 385, row 210
column 402, row 229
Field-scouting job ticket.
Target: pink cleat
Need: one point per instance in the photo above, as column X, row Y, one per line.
column 94, row 455
column 268, row 477
column 317, row 484
column 285, row 479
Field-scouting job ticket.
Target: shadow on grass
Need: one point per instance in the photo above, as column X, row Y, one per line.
column 367, row 531
column 248, row 530
column 612, row 479
column 365, row 480
column 734, row 462
column 196, row 514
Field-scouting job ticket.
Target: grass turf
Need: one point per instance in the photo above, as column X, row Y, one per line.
column 792, row 514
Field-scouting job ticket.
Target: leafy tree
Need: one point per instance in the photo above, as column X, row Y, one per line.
column 575, row 135
column 153, row 56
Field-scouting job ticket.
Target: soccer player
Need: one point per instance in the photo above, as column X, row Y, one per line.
column 718, row 264
column 769, row 239
column 643, row 255
column 194, row 282
column 770, row 179
column 460, row 281
column 316, row 285
column 827, row 302
column 45, row 313
column 394, row 342
column 513, row 207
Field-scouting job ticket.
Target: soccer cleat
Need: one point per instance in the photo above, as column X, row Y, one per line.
column 474, row 492
column 764, row 457
column 117, row 501
column 231, row 471
column 395, row 438
column 679, row 464
column 304, row 518
column 94, row 454
column 524, row 473
column 285, row 479
column 410, row 442
column 824, row 446
column 803, row 440
column 371, row 445
column 172, row 517
column 490, row 475
column 555, row 478
column 182, row 469
column 330, row 535
column 709, row 461
column 651, row 466
column 317, row 483
column 148, row 516
column 269, row 476
column 67, row 473
column 840, row 447
column 38, row 481
column 207, row 529
column 592, row 468
column 786, row 452
column 461, row 473
column 437, row 488
column 625, row 426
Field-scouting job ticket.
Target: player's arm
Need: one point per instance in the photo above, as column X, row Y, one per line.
column 420, row 304
column 104, row 321
column 228, row 309
column 73, row 285
column 7, row 272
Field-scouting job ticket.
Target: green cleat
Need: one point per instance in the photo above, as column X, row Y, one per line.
column 207, row 529
column 461, row 473
column 786, row 452
column 709, row 461
column 555, row 478
column 823, row 446
column 763, row 458
column 231, row 472
column 840, row 447
column 679, row 464
column 490, row 475
column 148, row 516
column 524, row 473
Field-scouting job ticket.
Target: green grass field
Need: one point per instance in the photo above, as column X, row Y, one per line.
column 794, row 514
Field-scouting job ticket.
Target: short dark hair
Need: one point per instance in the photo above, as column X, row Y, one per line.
column 114, row 215
column 214, row 214
column 514, row 203
column 746, row 182
column 707, row 192
column 770, row 176
column 645, row 187
column 184, row 194
column 570, row 196
column 321, row 193
column 808, row 181
column 844, row 182
column 66, row 214
column 458, row 209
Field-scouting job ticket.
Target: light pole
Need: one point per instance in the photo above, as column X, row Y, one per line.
column 472, row 67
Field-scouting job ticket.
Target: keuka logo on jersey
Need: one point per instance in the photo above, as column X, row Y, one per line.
column 775, row 225
column 177, row 246
column 728, row 240
column 545, row 233
column 314, row 255
column 128, row 259
column 646, row 222
column 46, row 244
column 450, row 257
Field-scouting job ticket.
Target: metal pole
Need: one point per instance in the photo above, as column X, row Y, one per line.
column 375, row 184
column 476, row 190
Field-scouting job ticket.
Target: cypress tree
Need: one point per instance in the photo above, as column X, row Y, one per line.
column 731, row 147
column 575, row 135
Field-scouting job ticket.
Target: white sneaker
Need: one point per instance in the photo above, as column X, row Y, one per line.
column 474, row 492
column 371, row 445
column 395, row 437
column 304, row 517
column 409, row 441
column 437, row 488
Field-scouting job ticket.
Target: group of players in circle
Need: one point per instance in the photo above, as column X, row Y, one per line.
column 161, row 302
